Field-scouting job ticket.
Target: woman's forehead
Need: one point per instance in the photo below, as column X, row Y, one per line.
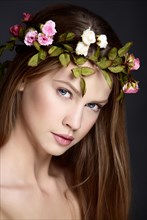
column 96, row 85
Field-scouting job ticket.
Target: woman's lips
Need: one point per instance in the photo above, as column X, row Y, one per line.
column 63, row 140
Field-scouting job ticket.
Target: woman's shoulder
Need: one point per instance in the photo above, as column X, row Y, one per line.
column 5, row 202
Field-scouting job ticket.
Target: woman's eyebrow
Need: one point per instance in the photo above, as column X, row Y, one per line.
column 71, row 86
column 79, row 92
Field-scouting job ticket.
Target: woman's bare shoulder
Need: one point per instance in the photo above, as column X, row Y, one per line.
column 5, row 202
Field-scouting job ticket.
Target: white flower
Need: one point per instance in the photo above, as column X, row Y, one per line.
column 88, row 37
column 102, row 41
column 82, row 49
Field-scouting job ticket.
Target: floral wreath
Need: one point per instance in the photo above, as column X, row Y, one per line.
column 118, row 61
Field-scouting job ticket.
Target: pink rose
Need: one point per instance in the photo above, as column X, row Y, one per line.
column 27, row 16
column 133, row 63
column 15, row 30
column 136, row 64
column 30, row 37
column 130, row 87
column 44, row 40
column 49, row 28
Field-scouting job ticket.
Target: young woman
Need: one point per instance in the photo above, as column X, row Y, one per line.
column 62, row 133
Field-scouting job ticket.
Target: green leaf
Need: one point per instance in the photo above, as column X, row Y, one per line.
column 120, row 96
column 123, row 79
column 116, row 69
column 52, row 49
column 68, row 47
column 66, row 37
column 37, row 45
column 112, row 53
column 34, row 60
column 108, row 78
column 10, row 45
column 86, row 71
column 95, row 56
column 64, row 59
column 62, row 37
column 97, row 53
column 13, row 38
column 42, row 54
column 70, row 36
column 79, row 60
column 55, row 51
column 76, row 72
column 117, row 61
column 2, row 48
column 104, row 63
column 122, row 51
column 83, row 86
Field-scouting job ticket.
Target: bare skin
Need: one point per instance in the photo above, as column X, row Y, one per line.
column 42, row 200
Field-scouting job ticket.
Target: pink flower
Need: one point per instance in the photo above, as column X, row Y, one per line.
column 44, row 40
column 30, row 37
column 136, row 64
column 49, row 28
column 131, row 87
column 133, row 63
column 27, row 16
column 15, row 30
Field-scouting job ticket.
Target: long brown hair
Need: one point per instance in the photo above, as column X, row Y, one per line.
column 99, row 163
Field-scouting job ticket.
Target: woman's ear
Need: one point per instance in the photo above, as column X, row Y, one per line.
column 21, row 87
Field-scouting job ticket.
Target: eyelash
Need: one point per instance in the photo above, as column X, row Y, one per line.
column 63, row 90
column 98, row 107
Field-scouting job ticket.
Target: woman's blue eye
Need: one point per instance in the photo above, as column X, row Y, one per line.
column 95, row 107
column 64, row 92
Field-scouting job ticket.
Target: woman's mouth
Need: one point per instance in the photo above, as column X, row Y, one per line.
column 62, row 139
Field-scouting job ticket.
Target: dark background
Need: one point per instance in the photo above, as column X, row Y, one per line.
column 128, row 18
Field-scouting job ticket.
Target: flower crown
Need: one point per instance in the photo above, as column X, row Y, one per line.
column 118, row 61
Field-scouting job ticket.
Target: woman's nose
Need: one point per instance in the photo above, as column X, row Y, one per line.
column 73, row 119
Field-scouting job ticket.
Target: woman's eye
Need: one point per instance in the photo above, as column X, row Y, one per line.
column 64, row 92
column 95, row 107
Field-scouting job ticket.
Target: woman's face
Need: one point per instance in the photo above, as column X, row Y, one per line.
column 54, row 115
